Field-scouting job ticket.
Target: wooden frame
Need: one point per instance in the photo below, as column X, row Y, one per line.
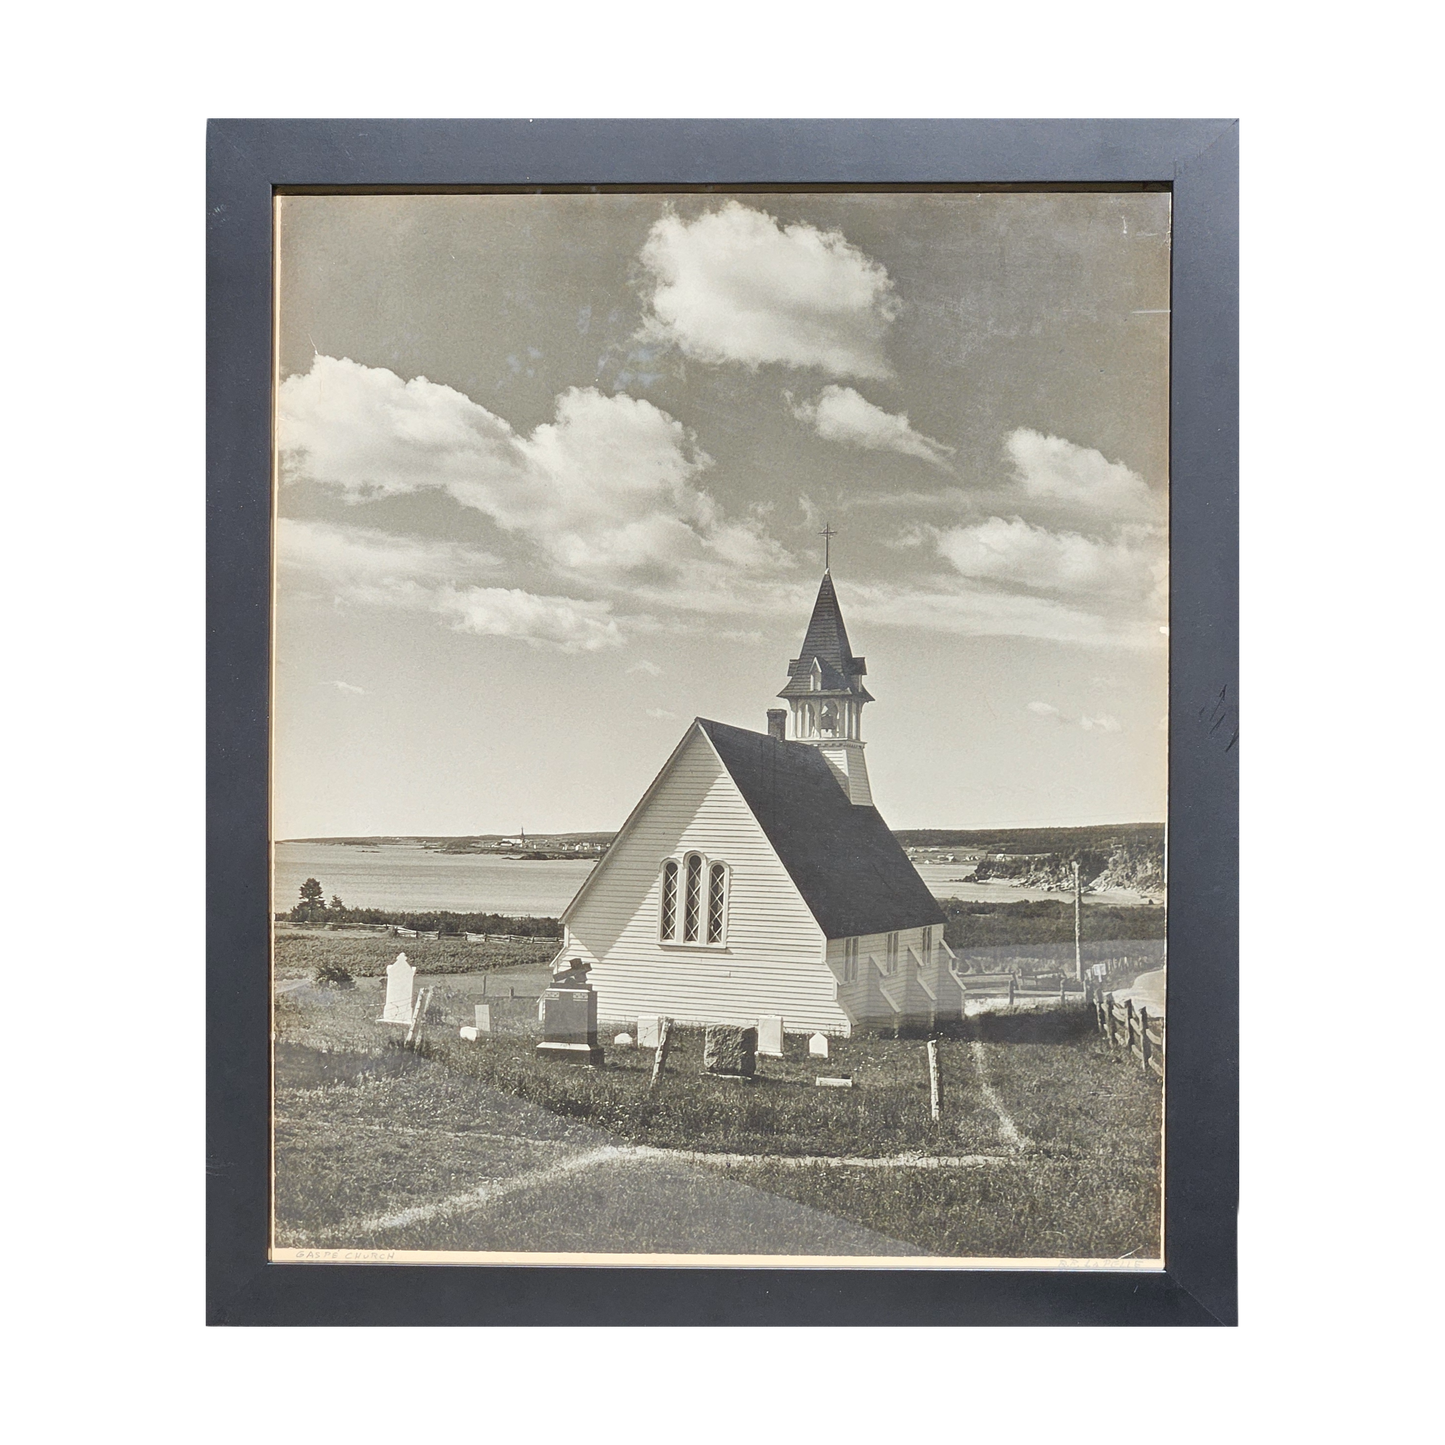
column 248, row 163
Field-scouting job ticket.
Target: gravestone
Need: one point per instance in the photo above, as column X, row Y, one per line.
column 624, row 1039
column 649, row 1031
column 400, row 992
column 471, row 1035
column 569, row 1017
column 484, row 1018
column 770, row 1036
column 729, row 1049
column 818, row 1046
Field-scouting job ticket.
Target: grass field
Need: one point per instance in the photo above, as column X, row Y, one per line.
column 300, row 951
column 368, row 1135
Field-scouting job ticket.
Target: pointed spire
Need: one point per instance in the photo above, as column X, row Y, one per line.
column 826, row 651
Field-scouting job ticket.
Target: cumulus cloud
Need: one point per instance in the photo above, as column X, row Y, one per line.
column 1129, row 567
column 364, row 567
column 738, row 285
column 643, row 665
column 1050, row 469
column 840, row 414
column 346, row 687
column 608, row 487
column 561, row 622
column 660, row 712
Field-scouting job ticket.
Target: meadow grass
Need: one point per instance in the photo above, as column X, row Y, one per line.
column 300, row 952
column 366, row 1127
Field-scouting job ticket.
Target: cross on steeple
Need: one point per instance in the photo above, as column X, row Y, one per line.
column 827, row 534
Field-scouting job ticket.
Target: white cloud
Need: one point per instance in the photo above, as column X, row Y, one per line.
column 1131, row 567
column 660, row 712
column 1053, row 470
column 362, row 567
column 643, row 665
column 1104, row 723
column 737, row 285
column 607, row 488
column 562, row 622
column 840, row 414
column 363, row 555
column 346, row 687
column 970, row 609
column 1043, row 709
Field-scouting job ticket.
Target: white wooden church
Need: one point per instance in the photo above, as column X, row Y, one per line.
column 756, row 878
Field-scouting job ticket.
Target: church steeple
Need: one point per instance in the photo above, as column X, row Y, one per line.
column 825, row 694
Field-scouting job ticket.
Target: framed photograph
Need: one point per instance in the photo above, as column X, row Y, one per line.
column 723, row 728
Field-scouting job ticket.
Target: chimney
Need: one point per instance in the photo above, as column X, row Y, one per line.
column 778, row 723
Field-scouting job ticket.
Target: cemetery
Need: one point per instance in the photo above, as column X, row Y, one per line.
column 760, row 1100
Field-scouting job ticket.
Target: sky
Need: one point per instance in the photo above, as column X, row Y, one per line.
column 551, row 470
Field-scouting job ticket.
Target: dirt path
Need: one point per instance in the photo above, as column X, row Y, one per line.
column 1012, row 1135
column 534, row 1182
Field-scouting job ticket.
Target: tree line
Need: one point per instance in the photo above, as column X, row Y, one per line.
column 312, row 907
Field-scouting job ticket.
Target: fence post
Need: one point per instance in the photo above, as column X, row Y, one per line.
column 1109, row 1015
column 1144, row 1038
column 1010, row 988
column 1129, row 1026
column 934, row 1082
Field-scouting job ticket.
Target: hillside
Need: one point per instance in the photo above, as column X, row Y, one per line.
column 1098, row 838
column 1127, row 864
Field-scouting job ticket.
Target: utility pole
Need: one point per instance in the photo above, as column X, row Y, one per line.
column 1078, row 924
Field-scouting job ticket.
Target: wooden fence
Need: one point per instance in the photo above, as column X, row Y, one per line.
column 1013, row 986
column 1132, row 1030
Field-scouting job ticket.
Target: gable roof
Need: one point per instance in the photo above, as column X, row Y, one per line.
column 849, row 869
column 826, row 644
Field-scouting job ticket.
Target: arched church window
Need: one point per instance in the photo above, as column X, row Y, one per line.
column 850, row 960
column 828, row 724
column 692, row 899
column 716, row 896
column 668, row 923
column 890, row 963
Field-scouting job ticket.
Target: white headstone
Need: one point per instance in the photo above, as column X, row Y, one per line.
column 770, row 1035
column 484, row 1018
column 649, row 1031
column 470, row 1034
column 818, row 1046
column 623, row 1039
column 400, row 986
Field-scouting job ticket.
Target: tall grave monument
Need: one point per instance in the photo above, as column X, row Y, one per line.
column 569, row 1017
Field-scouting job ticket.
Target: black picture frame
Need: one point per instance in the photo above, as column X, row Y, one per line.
column 248, row 163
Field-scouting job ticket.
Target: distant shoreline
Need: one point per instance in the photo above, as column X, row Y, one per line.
column 1039, row 839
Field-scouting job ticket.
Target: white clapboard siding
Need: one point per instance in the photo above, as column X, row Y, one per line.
column 924, row 983
column 772, row 961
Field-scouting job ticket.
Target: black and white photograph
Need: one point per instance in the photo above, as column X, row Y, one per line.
column 720, row 727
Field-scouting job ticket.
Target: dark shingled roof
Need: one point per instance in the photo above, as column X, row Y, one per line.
column 852, row 873
column 826, row 641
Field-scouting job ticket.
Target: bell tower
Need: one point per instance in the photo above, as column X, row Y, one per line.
column 825, row 694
